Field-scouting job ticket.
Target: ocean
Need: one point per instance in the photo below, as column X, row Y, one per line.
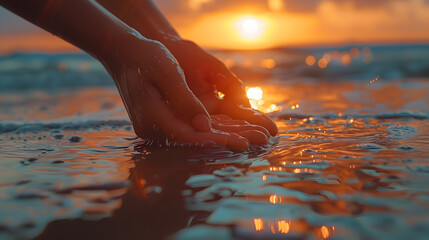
column 351, row 160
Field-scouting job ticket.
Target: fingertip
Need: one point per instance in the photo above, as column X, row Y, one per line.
column 254, row 117
column 262, row 120
column 239, row 142
column 201, row 123
column 208, row 144
column 272, row 127
column 262, row 129
column 255, row 137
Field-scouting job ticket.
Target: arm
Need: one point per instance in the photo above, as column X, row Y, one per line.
column 65, row 18
column 144, row 17
column 204, row 73
column 149, row 79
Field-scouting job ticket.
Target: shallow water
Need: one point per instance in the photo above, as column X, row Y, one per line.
column 350, row 162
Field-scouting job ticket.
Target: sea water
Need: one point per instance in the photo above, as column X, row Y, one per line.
column 350, row 160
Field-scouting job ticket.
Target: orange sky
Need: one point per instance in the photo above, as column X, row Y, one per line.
column 215, row 23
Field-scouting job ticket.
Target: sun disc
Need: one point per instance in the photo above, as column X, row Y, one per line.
column 250, row 28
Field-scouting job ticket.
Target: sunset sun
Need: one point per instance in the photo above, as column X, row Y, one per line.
column 250, row 28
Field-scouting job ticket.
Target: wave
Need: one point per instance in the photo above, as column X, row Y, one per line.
column 53, row 71
column 7, row 127
column 402, row 114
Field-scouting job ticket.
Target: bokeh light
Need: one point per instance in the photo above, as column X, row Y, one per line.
column 322, row 63
column 310, row 60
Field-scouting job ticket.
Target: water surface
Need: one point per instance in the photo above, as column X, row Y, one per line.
column 350, row 160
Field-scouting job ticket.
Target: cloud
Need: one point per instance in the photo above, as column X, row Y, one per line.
column 299, row 20
column 290, row 6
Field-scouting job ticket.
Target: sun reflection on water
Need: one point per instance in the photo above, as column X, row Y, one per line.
column 259, row 224
column 255, row 96
column 283, row 226
column 295, row 227
column 274, row 199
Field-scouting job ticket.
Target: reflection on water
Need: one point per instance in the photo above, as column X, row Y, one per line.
column 349, row 162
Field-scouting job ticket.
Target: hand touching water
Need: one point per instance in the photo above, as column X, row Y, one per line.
column 150, row 81
column 161, row 105
column 205, row 74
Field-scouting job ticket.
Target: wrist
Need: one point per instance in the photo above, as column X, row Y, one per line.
column 120, row 50
column 177, row 45
column 116, row 43
column 143, row 16
column 171, row 41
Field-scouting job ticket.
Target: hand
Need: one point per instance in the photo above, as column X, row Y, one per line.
column 205, row 74
column 160, row 103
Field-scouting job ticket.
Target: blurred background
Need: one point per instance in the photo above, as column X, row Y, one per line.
column 258, row 24
column 345, row 80
column 258, row 39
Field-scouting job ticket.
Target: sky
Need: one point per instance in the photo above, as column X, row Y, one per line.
column 254, row 24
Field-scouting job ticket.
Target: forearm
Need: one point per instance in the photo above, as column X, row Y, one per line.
column 143, row 16
column 83, row 23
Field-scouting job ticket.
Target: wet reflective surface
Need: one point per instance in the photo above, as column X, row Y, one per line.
column 350, row 162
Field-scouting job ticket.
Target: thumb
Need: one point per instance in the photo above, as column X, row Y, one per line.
column 188, row 107
column 169, row 78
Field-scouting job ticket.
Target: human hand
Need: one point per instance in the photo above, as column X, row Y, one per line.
column 205, row 74
column 160, row 103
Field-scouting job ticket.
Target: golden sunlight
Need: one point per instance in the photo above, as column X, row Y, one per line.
column 250, row 28
column 254, row 93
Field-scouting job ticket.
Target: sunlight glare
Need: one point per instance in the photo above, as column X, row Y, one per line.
column 254, row 93
column 250, row 28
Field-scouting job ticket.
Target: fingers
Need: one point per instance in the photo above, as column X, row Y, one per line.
column 255, row 137
column 224, row 110
column 234, row 126
column 230, row 140
column 253, row 133
column 178, row 130
column 221, row 117
column 187, row 145
column 250, row 115
column 201, row 123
